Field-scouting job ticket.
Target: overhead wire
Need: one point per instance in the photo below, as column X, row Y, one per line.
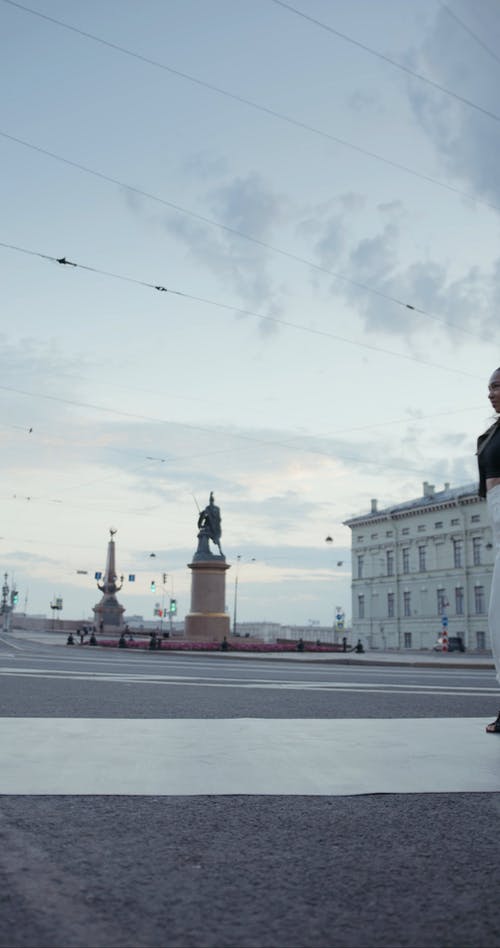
column 161, row 288
column 387, row 59
column 218, row 90
column 226, row 228
column 232, row 230
column 468, row 30
column 244, row 312
column 250, row 439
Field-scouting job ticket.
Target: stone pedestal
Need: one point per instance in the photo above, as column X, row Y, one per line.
column 109, row 614
column 207, row 621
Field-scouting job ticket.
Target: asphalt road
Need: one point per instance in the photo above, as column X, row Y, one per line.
column 375, row 870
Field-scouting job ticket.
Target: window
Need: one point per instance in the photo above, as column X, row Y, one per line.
column 479, row 600
column 459, row 600
column 360, row 539
column 373, row 536
column 422, row 551
column 405, row 531
column 389, row 533
column 476, row 551
column 458, row 549
column 390, row 562
column 361, row 561
column 455, row 522
column 407, row 604
column 422, row 528
column 406, row 559
column 407, row 640
column 438, row 525
column 481, row 641
column 476, row 518
column 361, row 607
column 442, row 602
column 390, row 605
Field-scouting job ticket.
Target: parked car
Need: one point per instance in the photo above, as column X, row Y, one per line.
column 455, row 644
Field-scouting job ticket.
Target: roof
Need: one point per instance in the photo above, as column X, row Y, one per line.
column 449, row 496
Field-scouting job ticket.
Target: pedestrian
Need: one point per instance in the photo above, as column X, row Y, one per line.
column 488, row 457
column 93, row 640
column 344, row 644
column 359, row 647
column 300, row 645
column 122, row 642
column 70, row 640
column 224, row 644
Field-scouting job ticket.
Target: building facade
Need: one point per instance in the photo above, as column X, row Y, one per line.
column 418, row 562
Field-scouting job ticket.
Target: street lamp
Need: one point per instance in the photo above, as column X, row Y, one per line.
column 338, row 625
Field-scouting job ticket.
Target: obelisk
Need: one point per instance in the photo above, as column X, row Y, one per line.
column 108, row 612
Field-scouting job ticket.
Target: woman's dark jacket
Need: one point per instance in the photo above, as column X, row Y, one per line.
column 482, row 441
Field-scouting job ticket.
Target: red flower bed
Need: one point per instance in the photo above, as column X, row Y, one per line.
column 185, row 646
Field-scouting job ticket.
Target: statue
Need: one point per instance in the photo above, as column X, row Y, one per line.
column 209, row 528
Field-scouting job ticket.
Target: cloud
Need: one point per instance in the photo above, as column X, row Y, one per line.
column 366, row 102
column 326, row 225
column 30, row 422
column 457, row 305
column 467, row 141
column 246, row 205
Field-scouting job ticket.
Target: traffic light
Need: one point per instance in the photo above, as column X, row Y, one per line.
column 15, row 597
column 164, row 578
column 153, row 586
column 173, row 607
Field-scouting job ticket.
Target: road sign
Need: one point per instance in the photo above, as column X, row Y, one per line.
column 444, row 622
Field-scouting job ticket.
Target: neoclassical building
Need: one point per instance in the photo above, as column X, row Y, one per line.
column 420, row 560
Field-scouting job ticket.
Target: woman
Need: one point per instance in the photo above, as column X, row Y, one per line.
column 488, row 456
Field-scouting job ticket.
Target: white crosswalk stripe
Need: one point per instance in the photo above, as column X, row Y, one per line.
column 125, row 677
column 247, row 756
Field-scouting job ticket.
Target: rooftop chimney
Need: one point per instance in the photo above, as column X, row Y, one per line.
column 428, row 489
column 374, row 505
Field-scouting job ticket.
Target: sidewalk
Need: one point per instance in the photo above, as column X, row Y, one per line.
column 415, row 659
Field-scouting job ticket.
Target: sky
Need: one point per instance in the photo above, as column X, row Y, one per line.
column 316, row 187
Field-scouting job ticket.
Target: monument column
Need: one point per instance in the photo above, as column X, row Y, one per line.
column 108, row 612
column 207, row 620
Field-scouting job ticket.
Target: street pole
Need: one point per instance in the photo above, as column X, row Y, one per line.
column 6, row 609
column 444, row 625
column 238, row 558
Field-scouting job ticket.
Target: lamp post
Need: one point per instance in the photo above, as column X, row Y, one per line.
column 235, row 609
column 236, row 579
column 5, row 608
column 56, row 606
column 338, row 625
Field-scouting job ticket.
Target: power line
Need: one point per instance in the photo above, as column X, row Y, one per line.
column 218, row 90
column 244, row 312
column 387, row 59
column 335, row 456
column 227, row 229
column 467, row 29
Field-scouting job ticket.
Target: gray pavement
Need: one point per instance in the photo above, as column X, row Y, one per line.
column 388, row 870
column 383, row 871
column 372, row 657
